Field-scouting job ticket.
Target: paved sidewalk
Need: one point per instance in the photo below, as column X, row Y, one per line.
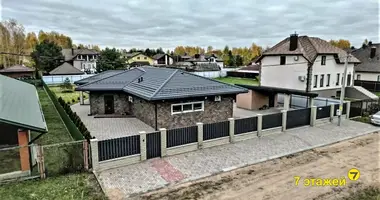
column 156, row 173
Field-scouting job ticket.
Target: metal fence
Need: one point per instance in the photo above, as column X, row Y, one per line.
column 272, row 121
column 153, row 144
column 297, row 118
column 373, row 86
column 364, row 107
column 323, row 112
column 181, row 136
column 216, row 130
column 118, row 147
column 58, row 79
column 297, row 101
column 245, row 125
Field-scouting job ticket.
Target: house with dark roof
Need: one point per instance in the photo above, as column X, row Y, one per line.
column 137, row 59
column 18, row 71
column 306, row 63
column 162, row 97
column 162, row 59
column 66, row 69
column 199, row 59
column 20, row 113
column 82, row 59
column 369, row 68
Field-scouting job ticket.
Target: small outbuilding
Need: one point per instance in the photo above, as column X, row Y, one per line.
column 18, row 71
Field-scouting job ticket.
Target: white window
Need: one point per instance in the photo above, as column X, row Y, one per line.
column 323, row 62
column 315, row 81
column 187, row 107
column 358, row 77
column 378, row 78
column 328, row 80
column 321, row 81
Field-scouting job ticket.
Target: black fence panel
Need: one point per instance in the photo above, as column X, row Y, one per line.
column 243, row 74
column 297, row 118
column 272, row 121
column 245, row 125
column 336, row 107
column 356, row 109
column 153, row 145
column 323, row 112
column 118, row 147
column 216, row 130
column 373, row 86
column 181, row 136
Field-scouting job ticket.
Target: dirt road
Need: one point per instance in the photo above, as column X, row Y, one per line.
column 275, row 179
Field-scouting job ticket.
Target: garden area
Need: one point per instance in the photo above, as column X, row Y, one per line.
column 238, row 80
column 67, row 93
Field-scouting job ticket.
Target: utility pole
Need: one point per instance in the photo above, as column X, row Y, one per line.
column 342, row 92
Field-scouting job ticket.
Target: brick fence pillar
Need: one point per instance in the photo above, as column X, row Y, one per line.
column 163, row 141
column 313, row 115
column 142, row 145
column 259, row 124
column 200, row 135
column 94, row 154
column 232, row 129
column 284, row 115
column 332, row 111
column 348, row 106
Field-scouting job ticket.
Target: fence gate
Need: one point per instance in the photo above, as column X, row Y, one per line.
column 153, row 145
column 297, row 118
column 356, row 108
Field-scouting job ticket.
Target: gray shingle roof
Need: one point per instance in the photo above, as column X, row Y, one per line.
column 17, row 68
column 158, row 56
column 19, row 105
column 99, row 76
column 309, row 47
column 161, row 83
column 367, row 64
column 66, row 69
column 69, row 54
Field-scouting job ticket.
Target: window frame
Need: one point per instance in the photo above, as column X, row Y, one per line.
column 323, row 60
column 321, row 80
column 282, row 58
column 315, row 85
column 187, row 111
column 378, row 78
column 328, row 77
column 337, row 79
column 138, row 57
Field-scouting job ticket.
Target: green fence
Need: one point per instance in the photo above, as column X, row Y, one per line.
column 73, row 129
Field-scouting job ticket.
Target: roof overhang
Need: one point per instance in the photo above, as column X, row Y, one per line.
column 25, row 126
column 265, row 89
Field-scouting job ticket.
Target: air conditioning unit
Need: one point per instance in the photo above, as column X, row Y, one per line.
column 301, row 78
column 218, row 98
column 130, row 99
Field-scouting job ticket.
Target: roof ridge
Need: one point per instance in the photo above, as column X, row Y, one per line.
column 164, row 83
column 315, row 49
column 104, row 78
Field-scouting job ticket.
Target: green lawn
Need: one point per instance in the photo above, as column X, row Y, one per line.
column 67, row 96
column 237, row 80
column 73, row 186
column 57, row 131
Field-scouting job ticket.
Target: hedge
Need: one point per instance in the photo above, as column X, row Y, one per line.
column 72, row 121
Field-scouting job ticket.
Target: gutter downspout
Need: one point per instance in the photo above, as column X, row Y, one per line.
column 155, row 113
column 308, row 77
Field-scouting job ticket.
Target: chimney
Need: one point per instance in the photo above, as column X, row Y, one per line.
column 370, row 43
column 72, row 51
column 373, row 52
column 293, row 42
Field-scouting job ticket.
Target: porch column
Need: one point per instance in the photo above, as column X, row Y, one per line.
column 81, row 98
column 286, row 101
column 23, row 140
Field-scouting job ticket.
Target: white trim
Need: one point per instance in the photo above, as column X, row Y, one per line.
column 188, row 103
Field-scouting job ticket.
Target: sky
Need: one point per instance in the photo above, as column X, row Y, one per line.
column 169, row 23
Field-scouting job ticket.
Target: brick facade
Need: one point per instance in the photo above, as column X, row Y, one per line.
column 145, row 110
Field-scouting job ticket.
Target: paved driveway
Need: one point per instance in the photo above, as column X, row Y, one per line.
column 157, row 173
column 106, row 128
column 244, row 113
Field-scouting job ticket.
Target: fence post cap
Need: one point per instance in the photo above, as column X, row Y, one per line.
column 313, row 106
column 162, row 129
column 259, row 114
column 199, row 123
column 142, row 132
column 93, row 140
column 283, row 111
column 231, row 119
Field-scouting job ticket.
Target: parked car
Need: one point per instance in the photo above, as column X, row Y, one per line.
column 375, row 118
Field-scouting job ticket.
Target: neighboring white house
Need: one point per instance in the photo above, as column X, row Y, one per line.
column 306, row 63
column 162, row 59
column 203, row 59
column 82, row 59
column 369, row 68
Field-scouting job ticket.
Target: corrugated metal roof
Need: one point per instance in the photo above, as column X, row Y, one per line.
column 161, row 83
column 19, row 105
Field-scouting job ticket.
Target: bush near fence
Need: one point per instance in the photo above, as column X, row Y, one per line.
column 73, row 123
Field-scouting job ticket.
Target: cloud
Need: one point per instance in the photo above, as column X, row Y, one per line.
column 168, row 23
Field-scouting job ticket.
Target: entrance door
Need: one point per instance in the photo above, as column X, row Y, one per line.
column 349, row 80
column 108, row 104
column 271, row 100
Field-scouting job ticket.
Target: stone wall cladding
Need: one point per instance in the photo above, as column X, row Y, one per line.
column 213, row 112
column 121, row 105
column 144, row 111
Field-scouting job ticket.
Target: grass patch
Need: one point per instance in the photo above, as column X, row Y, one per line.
column 368, row 193
column 73, row 186
column 363, row 119
column 237, row 80
column 67, row 96
column 57, row 131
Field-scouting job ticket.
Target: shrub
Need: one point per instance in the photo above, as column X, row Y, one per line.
column 78, row 98
column 73, row 100
column 66, row 86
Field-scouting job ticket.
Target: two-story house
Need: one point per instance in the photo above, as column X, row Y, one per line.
column 137, row 59
column 306, row 63
column 82, row 59
column 162, row 59
column 200, row 59
column 369, row 68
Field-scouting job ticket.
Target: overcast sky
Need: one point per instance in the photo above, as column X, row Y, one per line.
column 169, row 23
